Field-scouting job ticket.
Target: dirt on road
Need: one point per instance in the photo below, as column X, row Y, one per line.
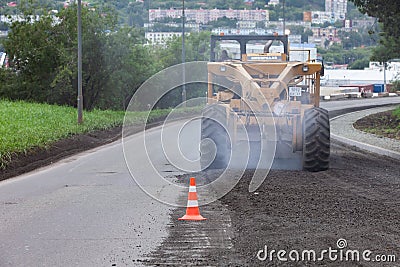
column 357, row 201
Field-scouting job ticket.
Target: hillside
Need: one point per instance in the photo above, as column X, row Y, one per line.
column 236, row 4
column 131, row 12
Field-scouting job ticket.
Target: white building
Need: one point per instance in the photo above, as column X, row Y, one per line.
column 334, row 10
column 305, row 24
column 338, row 76
column 320, row 17
column 390, row 66
column 273, row 2
column 160, row 38
column 9, row 19
column 244, row 31
column 338, row 8
column 193, row 27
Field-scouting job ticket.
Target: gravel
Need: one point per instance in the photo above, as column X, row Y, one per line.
column 355, row 201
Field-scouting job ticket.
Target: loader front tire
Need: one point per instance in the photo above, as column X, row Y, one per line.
column 213, row 130
column 316, row 140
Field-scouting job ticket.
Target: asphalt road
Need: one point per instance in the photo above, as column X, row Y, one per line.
column 360, row 103
column 87, row 210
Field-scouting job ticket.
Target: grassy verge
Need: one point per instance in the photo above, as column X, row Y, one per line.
column 383, row 124
column 396, row 113
column 26, row 125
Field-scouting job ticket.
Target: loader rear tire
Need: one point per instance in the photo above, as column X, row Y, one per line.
column 213, row 128
column 316, row 140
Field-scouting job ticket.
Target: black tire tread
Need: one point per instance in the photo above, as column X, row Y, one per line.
column 214, row 130
column 316, row 140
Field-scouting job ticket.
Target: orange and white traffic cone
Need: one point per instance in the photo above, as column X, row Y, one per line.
column 192, row 209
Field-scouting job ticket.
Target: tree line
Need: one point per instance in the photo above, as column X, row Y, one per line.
column 116, row 61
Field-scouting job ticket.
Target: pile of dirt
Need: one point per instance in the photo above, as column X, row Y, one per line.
column 383, row 124
column 39, row 157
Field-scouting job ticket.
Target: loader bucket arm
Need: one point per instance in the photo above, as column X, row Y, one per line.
column 244, row 39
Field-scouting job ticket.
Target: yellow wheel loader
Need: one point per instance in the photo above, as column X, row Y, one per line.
column 255, row 92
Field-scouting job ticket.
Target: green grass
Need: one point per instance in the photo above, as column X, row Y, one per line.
column 24, row 125
column 396, row 113
column 385, row 124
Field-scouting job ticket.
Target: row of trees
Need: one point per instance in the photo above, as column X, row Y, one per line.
column 43, row 59
column 355, row 58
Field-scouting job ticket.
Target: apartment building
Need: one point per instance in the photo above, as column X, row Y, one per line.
column 338, row 8
column 204, row 16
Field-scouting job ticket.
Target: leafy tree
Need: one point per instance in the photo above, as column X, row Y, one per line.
column 388, row 13
column 350, row 39
column 136, row 14
column 395, row 85
column 291, row 13
column 134, row 63
column 326, row 43
column 389, row 49
column 338, row 55
column 296, row 29
column 197, row 49
column 359, row 64
column 44, row 60
column 96, row 57
column 305, row 35
column 326, row 24
column 353, row 12
column 260, row 24
column 223, row 22
column 274, row 14
column 338, row 24
column 306, row 4
column 34, row 56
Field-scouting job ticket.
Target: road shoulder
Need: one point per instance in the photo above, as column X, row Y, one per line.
column 342, row 130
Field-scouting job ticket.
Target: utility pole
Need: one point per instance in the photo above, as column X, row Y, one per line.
column 284, row 17
column 183, row 55
column 80, row 95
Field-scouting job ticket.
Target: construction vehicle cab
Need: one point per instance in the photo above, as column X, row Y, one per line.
column 260, row 90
